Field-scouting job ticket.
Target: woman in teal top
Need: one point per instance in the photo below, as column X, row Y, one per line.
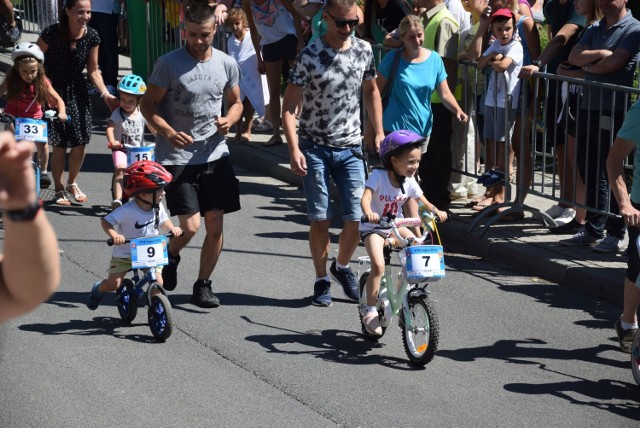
column 419, row 73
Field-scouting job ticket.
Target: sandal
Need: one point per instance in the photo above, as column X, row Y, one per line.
column 263, row 126
column 76, row 192
column 61, row 199
column 276, row 140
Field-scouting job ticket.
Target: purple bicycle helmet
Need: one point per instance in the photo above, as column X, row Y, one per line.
column 398, row 139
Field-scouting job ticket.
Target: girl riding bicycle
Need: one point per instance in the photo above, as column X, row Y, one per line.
column 385, row 192
column 125, row 126
column 144, row 182
column 27, row 90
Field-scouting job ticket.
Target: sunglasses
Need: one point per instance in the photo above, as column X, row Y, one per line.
column 343, row 22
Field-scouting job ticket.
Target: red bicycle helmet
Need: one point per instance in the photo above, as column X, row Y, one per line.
column 145, row 177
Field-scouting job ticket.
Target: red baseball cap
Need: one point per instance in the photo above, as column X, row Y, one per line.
column 507, row 13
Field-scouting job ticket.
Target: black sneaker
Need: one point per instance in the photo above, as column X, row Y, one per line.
column 45, row 181
column 570, row 228
column 347, row 279
column 321, row 293
column 170, row 273
column 625, row 337
column 203, row 296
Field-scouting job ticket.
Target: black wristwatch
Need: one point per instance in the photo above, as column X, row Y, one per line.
column 25, row 214
column 537, row 63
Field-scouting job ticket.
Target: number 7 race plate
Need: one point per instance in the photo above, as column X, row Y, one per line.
column 425, row 261
column 31, row 129
column 149, row 252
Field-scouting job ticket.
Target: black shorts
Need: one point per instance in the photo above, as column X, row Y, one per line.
column 211, row 186
column 284, row 49
column 633, row 263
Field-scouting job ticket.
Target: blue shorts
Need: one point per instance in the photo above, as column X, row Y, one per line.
column 346, row 166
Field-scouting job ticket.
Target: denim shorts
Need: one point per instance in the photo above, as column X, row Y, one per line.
column 494, row 123
column 346, row 167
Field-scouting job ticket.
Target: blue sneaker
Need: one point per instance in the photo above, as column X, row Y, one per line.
column 93, row 301
column 322, row 293
column 347, row 279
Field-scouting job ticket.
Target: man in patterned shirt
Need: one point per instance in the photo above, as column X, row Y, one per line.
column 329, row 75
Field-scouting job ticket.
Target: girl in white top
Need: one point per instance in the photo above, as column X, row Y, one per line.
column 276, row 33
column 385, row 192
column 253, row 85
column 125, row 127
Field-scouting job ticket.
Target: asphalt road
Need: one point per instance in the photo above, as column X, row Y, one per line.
column 514, row 350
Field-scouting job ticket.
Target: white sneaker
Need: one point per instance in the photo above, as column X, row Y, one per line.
column 371, row 323
column 610, row 244
column 567, row 215
column 554, row 211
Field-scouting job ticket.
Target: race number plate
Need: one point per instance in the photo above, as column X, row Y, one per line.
column 31, row 129
column 149, row 252
column 143, row 153
column 425, row 261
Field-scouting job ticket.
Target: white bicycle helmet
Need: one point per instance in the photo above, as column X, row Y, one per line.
column 27, row 49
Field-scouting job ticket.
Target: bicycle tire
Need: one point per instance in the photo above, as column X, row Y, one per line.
column 160, row 317
column 363, row 302
column 635, row 357
column 127, row 301
column 421, row 343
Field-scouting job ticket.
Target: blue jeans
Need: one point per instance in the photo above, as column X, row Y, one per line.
column 106, row 24
column 346, row 166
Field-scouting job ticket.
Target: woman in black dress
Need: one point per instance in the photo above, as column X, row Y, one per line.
column 69, row 47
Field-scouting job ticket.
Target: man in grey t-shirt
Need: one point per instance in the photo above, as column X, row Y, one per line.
column 184, row 104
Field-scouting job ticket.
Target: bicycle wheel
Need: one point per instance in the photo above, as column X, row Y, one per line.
column 160, row 317
column 363, row 303
column 127, row 301
column 421, row 342
column 635, row 357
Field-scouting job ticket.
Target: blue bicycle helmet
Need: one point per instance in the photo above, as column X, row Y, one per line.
column 398, row 139
column 132, row 84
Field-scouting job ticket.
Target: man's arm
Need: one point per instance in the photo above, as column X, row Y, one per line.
column 292, row 97
column 234, row 111
column 617, row 60
column 30, row 266
column 374, row 108
column 615, row 171
column 581, row 55
column 553, row 49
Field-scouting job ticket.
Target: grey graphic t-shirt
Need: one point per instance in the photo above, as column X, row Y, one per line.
column 193, row 100
column 332, row 82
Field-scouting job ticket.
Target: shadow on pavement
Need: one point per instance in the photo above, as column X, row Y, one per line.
column 346, row 347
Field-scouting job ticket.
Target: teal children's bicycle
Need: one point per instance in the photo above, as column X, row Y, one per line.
column 403, row 290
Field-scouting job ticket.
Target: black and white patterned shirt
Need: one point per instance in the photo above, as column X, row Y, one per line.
column 332, row 81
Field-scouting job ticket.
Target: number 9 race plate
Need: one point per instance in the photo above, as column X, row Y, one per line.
column 149, row 252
